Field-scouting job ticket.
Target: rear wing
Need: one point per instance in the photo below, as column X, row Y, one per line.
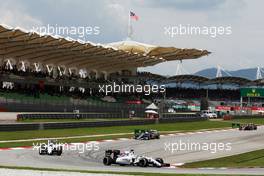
column 139, row 131
column 236, row 125
column 110, row 152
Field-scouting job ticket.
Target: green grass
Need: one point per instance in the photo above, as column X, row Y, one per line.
column 105, row 172
column 177, row 126
column 249, row 159
column 86, row 139
column 252, row 120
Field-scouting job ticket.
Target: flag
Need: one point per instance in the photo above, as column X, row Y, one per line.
column 133, row 16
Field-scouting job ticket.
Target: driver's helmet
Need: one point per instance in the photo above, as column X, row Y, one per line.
column 52, row 141
column 132, row 151
column 126, row 153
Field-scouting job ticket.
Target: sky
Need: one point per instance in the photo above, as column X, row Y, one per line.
column 243, row 48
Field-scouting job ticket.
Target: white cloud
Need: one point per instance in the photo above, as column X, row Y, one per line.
column 14, row 15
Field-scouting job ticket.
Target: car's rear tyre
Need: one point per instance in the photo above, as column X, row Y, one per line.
column 59, row 153
column 40, row 152
column 107, row 161
column 148, row 138
column 143, row 162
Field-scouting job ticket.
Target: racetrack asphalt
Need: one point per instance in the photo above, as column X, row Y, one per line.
column 238, row 142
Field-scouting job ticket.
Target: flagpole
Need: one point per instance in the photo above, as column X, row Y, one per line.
column 129, row 26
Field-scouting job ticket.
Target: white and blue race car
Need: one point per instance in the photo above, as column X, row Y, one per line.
column 50, row 148
column 130, row 158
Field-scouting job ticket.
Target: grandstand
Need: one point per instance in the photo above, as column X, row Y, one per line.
column 52, row 73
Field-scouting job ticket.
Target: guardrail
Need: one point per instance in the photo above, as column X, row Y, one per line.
column 91, row 115
column 94, row 115
column 43, row 106
column 65, row 125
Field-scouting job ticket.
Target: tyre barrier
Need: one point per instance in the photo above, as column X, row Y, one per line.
column 65, row 125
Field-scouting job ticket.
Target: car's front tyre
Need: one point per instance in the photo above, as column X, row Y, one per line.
column 107, row 161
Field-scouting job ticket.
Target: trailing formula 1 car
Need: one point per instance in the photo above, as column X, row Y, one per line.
column 129, row 158
column 51, row 148
column 249, row 126
column 146, row 134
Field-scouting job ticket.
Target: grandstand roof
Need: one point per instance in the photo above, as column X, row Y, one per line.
column 220, row 80
column 167, row 53
column 20, row 44
column 259, row 82
column 151, row 76
column 229, row 79
column 187, row 78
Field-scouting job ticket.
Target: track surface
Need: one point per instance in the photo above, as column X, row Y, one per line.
column 241, row 141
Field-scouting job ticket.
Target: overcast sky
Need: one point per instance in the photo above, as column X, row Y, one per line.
column 242, row 49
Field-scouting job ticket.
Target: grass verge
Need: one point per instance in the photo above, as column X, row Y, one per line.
column 259, row 121
column 249, row 159
column 177, row 126
column 30, row 143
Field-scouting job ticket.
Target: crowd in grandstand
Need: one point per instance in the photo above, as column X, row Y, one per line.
column 195, row 93
column 37, row 89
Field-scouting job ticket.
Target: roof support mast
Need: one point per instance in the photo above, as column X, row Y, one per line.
column 258, row 75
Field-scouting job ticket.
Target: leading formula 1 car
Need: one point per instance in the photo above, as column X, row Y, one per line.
column 51, row 148
column 146, row 134
column 130, row 158
column 249, row 126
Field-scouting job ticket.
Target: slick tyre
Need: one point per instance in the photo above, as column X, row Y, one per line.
column 143, row 162
column 40, row 152
column 107, row 161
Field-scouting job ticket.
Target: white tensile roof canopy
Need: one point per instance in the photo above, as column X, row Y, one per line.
column 22, row 45
column 152, row 106
column 167, row 53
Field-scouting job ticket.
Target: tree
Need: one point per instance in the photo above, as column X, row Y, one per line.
column 204, row 104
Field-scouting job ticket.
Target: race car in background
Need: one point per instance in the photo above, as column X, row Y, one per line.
column 248, row 127
column 130, row 158
column 146, row 134
column 50, row 148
